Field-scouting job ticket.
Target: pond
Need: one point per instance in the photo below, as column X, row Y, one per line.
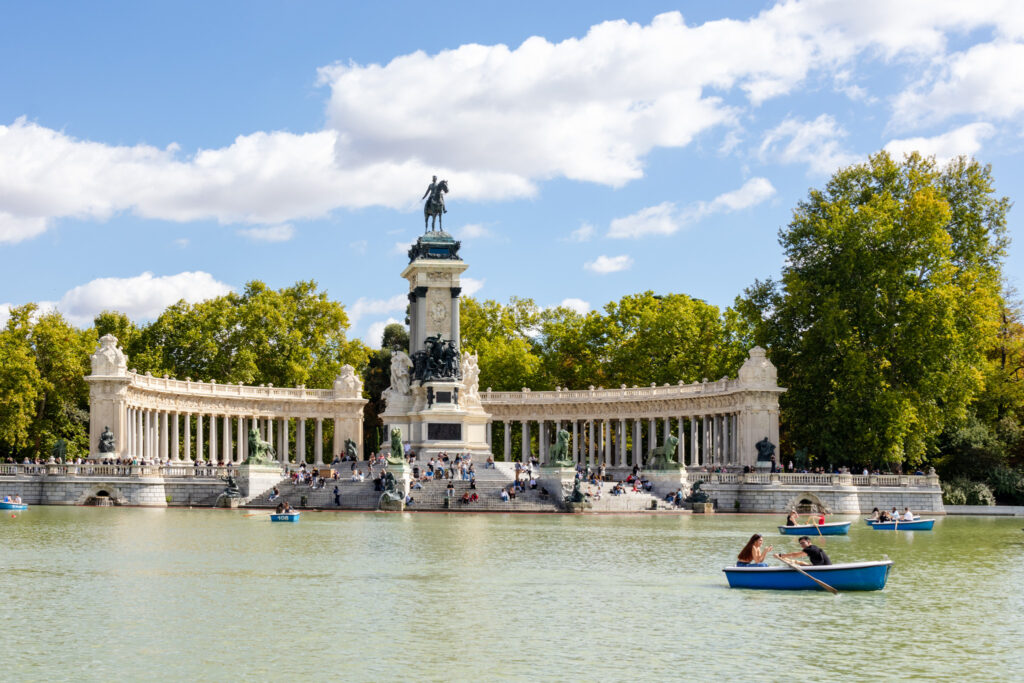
column 207, row 595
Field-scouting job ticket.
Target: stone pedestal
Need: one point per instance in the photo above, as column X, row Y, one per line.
column 558, row 482
column 256, row 479
column 666, row 481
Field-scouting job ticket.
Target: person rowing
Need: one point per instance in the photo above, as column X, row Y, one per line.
column 753, row 553
column 816, row 555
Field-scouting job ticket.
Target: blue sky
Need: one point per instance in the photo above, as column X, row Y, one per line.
column 154, row 151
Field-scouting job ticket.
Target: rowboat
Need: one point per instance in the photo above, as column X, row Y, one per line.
column 285, row 517
column 851, row 576
column 918, row 525
column 869, row 521
column 13, row 506
column 830, row 529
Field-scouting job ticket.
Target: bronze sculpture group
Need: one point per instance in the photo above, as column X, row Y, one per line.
column 439, row 359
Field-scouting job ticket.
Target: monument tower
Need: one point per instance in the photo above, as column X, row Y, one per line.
column 434, row 393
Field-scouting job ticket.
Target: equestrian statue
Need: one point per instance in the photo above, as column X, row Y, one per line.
column 434, row 207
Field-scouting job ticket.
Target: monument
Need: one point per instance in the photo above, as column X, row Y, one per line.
column 434, row 395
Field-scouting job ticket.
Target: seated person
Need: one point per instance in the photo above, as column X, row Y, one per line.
column 875, row 515
column 416, row 484
column 504, row 495
column 908, row 516
column 792, row 519
column 280, row 508
column 753, row 553
column 465, row 497
column 474, row 498
column 816, row 555
column 408, row 499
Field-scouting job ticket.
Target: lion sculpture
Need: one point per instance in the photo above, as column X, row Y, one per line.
column 559, row 454
column 661, row 457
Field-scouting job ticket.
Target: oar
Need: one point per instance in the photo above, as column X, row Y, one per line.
column 256, row 514
column 795, row 566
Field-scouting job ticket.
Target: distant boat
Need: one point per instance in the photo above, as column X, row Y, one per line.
column 869, row 521
column 917, row 525
column 852, row 576
column 830, row 529
column 13, row 506
column 285, row 517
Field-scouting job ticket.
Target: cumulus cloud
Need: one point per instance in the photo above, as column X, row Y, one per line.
column 665, row 219
column 584, row 233
column 375, row 332
column 981, row 80
column 610, row 96
column 141, row 297
column 603, row 265
column 364, row 306
column 272, row 233
column 815, row 143
column 579, row 305
column 963, row 140
column 472, row 285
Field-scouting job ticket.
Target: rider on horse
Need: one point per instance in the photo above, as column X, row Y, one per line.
column 435, row 194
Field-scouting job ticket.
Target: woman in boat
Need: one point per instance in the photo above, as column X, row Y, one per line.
column 874, row 515
column 280, row 508
column 792, row 519
column 753, row 553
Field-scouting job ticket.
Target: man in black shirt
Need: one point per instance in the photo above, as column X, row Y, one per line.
column 816, row 555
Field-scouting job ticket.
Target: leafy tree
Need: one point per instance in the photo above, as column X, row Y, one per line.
column 19, row 382
column 504, row 337
column 886, row 307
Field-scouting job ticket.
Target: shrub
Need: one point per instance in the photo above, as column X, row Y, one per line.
column 966, row 492
column 1007, row 484
column 953, row 494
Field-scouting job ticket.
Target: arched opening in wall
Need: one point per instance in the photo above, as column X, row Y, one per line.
column 100, row 498
column 807, row 503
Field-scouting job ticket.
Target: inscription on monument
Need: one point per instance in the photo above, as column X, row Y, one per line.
column 443, row 431
column 444, row 397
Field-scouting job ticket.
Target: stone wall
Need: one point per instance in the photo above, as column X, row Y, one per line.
column 839, row 499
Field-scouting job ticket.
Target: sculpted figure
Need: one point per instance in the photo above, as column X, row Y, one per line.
column 560, row 456
column 661, row 457
column 260, row 452
column 350, row 449
column 434, row 207
column 400, row 367
column 108, row 444
column 108, row 359
column 765, row 450
column 348, row 383
column 471, row 375
column 397, row 454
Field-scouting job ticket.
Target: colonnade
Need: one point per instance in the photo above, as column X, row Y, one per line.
column 176, row 437
column 704, row 440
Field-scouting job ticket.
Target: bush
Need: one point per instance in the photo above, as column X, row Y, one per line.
column 1007, row 484
column 966, row 492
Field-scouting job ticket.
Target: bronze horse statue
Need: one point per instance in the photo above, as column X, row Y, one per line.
column 434, row 206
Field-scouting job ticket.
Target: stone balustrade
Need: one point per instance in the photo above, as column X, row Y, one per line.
column 109, row 471
column 817, row 479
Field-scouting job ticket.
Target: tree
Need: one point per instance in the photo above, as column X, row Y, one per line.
column 886, row 307
column 19, row 385
column 504, row 338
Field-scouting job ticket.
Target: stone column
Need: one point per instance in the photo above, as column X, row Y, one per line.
column 225, row 438
column 282, row 441
column 163, row 435
column 147, row 449
column 242, row 447
column 188, row 438
column 421, row 319
column 300, row 440
column 694, row 443
column 652, row 434
column 490, row 436
column 270, row 430
column 213, row 439
column 506, row 454
column 575, row 443
column 620, row 443
column 176, row 455
column 318, row 445
column 199, row 437
column 455, row 315
column 637, row 443
column 525, row 445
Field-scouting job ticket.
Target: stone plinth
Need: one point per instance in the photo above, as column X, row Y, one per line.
column 256, row 479
column 558, row 482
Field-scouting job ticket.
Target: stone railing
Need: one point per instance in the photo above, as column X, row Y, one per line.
column 179, row 386
column 528, row 397
column 801, row 479
column 108, row 471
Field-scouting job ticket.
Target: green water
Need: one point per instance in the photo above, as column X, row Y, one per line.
column 135, row 594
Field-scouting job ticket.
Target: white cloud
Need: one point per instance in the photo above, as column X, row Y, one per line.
column 815, row 143
column 375, row 332
column 142, row 297
column 654, row 220
column 472, row 285
column 584, row 233
column 364, row 306
column 963, row 140
column 604, row 265
column 664, row 219
column 509, row 114
column 272, row 233
column 402, row 247
column 5, row 314
column 983, row 80
column 359, row 246
column 579, row 305
column 474, row 230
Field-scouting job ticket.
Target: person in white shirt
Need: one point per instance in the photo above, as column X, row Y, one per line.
column 908, row 516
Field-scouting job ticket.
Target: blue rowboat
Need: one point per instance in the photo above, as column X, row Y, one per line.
column 830, row 529
column 852, row 576
column 285, row 517
column 919, row 525
column 13, row 506
column 869, row 521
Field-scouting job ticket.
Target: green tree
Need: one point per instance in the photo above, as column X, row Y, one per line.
column 504, row 338
column 886, row 307
column 19, row 382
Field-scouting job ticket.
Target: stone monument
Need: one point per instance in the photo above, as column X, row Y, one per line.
column 434, row 394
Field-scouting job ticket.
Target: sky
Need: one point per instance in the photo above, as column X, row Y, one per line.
column 156, row 151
